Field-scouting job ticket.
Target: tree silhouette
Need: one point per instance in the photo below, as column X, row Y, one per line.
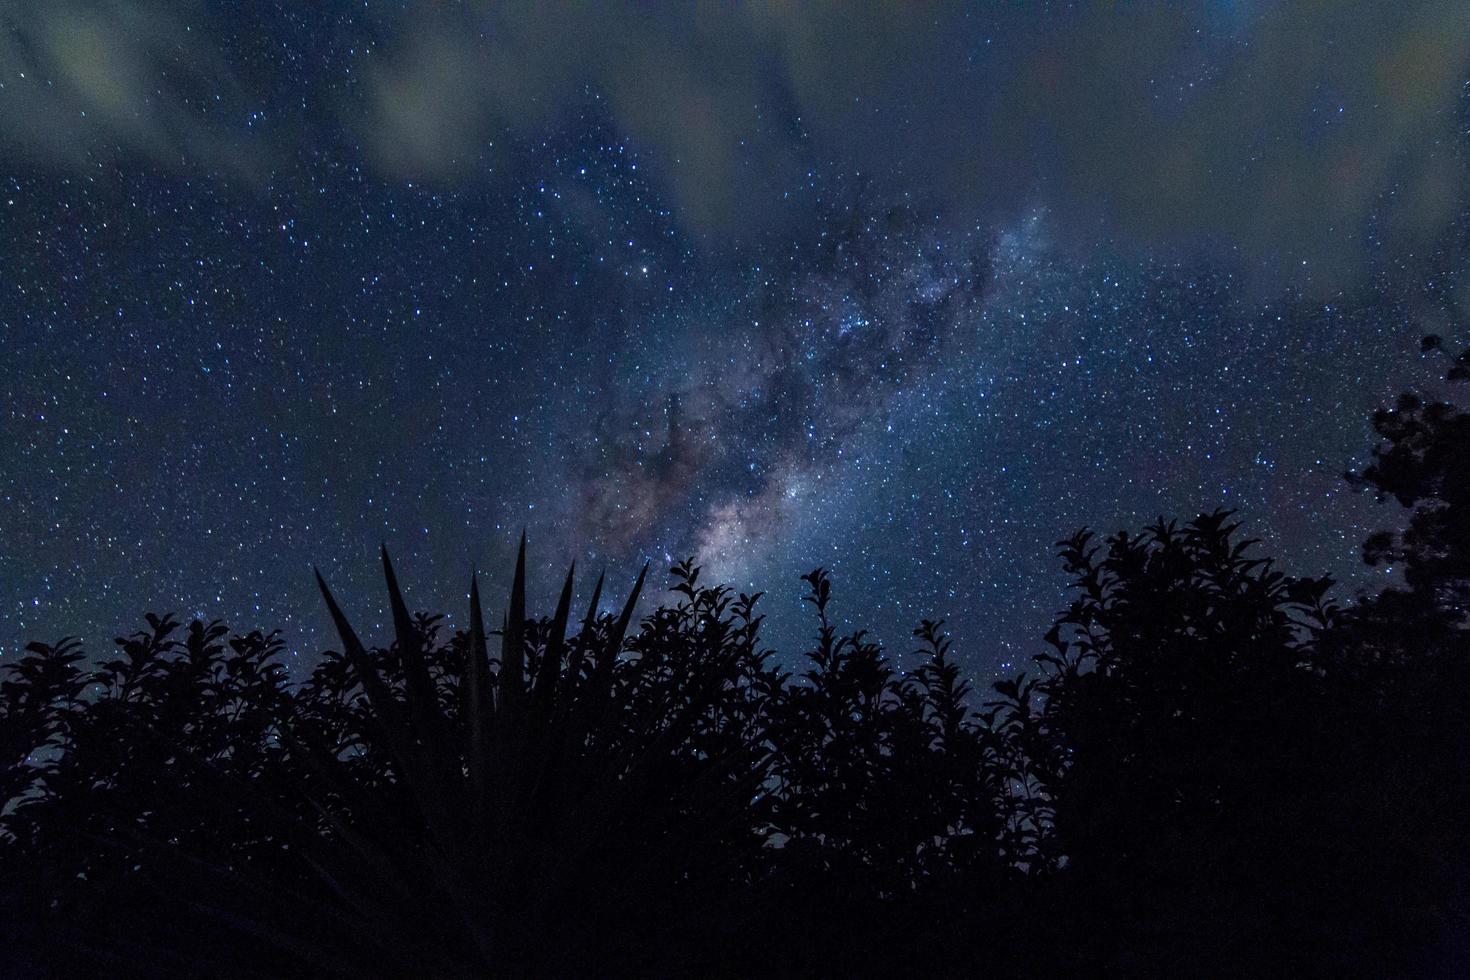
column 1423, row 463
column 1215, row 768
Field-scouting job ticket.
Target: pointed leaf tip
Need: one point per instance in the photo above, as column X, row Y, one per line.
column 402, row 620
column 344, row 629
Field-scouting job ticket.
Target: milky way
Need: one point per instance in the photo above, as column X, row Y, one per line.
column 303, row 295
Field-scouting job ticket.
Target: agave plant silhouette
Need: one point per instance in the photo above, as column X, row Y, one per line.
column 526, row 825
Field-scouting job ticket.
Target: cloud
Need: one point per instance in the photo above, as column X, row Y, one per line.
column 88, row 84
column 1279, row 129
column 1283, row 137
column 1292, row 132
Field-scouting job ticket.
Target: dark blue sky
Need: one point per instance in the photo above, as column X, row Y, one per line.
column 907, row 294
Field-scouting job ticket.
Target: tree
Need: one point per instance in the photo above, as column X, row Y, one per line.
column 1231, row 791
column 1423, row 463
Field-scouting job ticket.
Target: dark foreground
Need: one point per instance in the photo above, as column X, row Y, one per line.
column 1214, row 769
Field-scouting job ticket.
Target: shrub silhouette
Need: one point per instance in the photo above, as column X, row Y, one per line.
column 1224, row 799
column 1423, row 463
column 1214, row 769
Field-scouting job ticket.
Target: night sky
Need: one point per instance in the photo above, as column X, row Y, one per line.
column 909, row 292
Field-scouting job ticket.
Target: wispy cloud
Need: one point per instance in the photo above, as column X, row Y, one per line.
column 85, row 85
column 1277, row 129
column 1293, row 132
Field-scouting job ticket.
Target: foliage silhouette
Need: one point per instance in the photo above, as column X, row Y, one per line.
column 1226, row 798
column 1423, row 463
column 1215, row 768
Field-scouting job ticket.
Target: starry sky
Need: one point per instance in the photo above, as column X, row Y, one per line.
column 907, row 291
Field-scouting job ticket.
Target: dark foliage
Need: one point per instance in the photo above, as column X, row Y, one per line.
column 1423, row 463
column 1214, row 770
column 1225, row 796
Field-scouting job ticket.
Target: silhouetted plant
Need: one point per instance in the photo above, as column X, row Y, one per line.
column 1222, row 795
column 1213, row 769
column 546, row 812
column 1423, row 463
